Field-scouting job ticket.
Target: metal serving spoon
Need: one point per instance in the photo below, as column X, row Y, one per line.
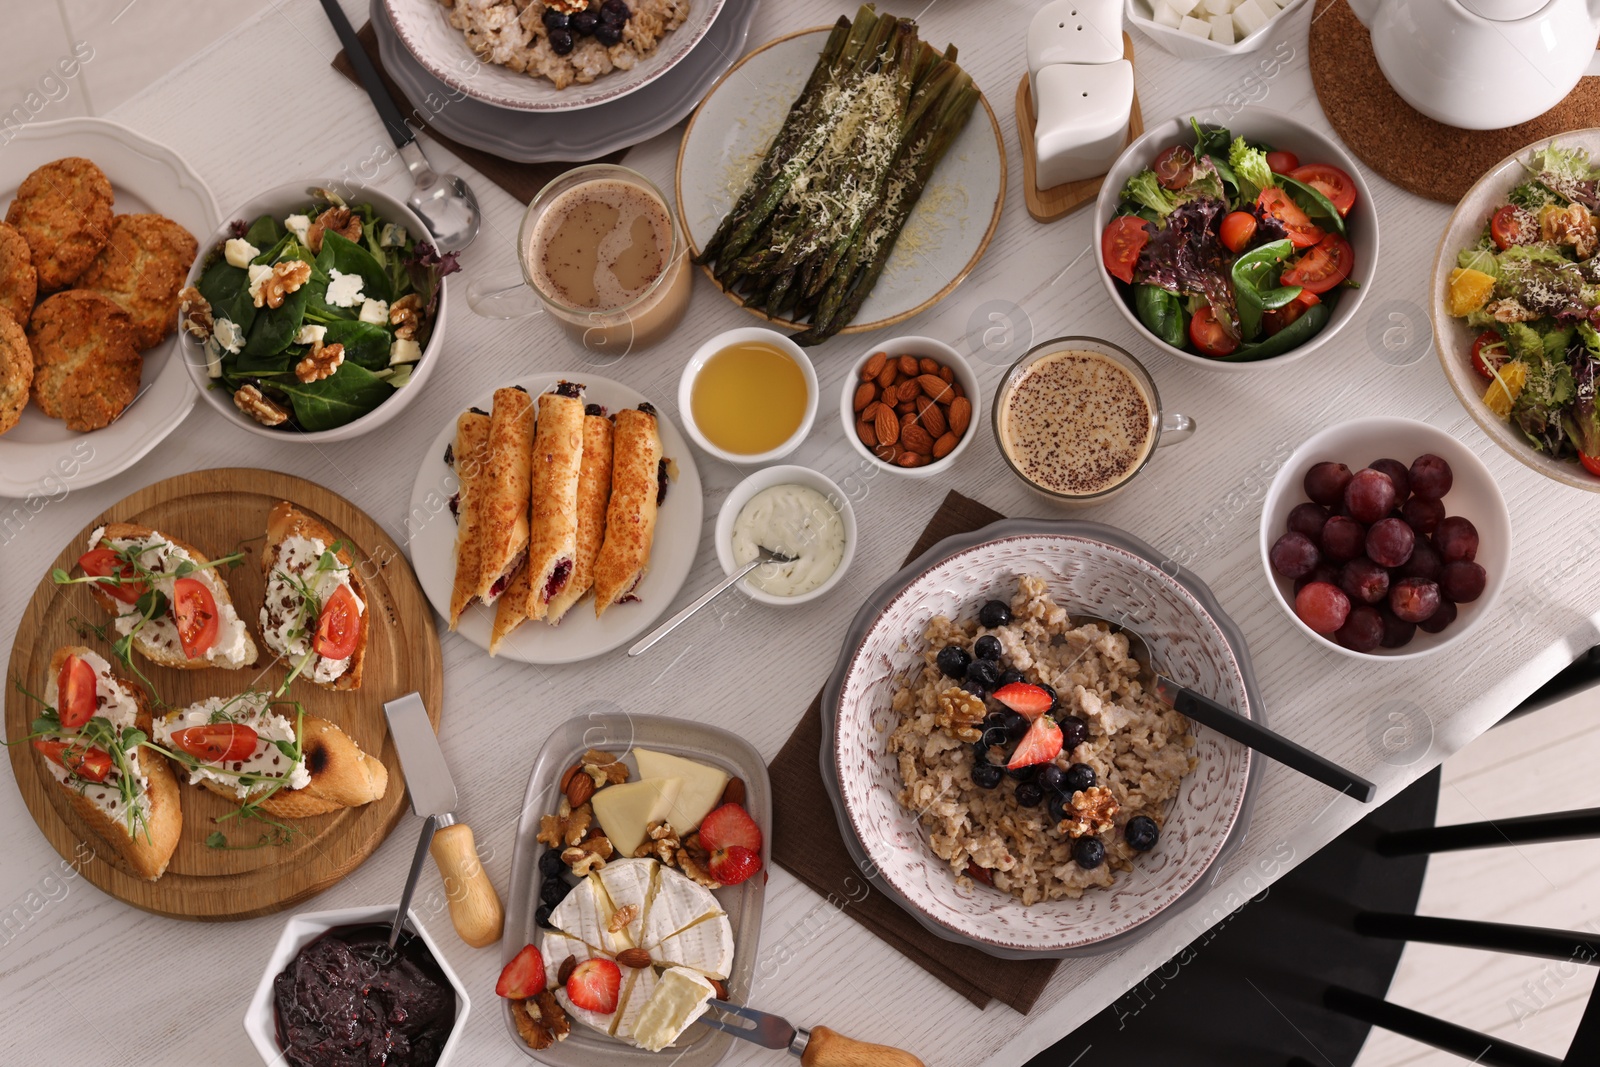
column 763, row 555
column 443, row 201
column 1229, row 723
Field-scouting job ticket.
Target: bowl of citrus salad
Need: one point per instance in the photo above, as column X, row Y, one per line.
column 1236, row 246
column 1517, row 303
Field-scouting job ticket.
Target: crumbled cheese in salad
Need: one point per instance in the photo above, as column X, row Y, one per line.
column 344, row 290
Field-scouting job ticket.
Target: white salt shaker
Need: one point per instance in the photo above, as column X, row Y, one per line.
column 1082, row 89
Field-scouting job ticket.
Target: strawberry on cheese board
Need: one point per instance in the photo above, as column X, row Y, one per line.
column 637, row 889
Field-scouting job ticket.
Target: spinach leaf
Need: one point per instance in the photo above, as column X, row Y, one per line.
column 275, row 328
column 347, row 257
column 1212, row 142
column 1312, row 203
column 344, row 396
column 264, row 232
column 227, row 289
column 1255, row 284
column 248, row 364
column 1162, row 313
column 365, row 343
column 1293, row 335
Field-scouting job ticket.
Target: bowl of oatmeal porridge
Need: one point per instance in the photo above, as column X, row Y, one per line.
column 1150, row 802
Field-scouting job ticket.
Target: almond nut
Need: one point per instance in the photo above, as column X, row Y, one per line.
column 908, row 390
column 566, row 779
column 870, row 412
column 722, row 990
column 887, row 375
column 868, row 435
column 911, row 459
column 932, row 417
column 915, row 439
column 887, row 453
column 633, row 957
column 928, row 366
column 958, row 390
column 873, row 366
column 866, row 393
column 733, row 792
column 568, row 965
column 946, row 373
column 580, row 789
column 908, row 366
column 887, row 425
column 935, row 386
column 907, row 408
column 945, row 445
column 960, row 415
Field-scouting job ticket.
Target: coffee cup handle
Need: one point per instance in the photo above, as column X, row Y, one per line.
column 1175, row 428
column 508, row 296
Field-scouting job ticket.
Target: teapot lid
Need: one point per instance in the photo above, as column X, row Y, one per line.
column 1504, row 10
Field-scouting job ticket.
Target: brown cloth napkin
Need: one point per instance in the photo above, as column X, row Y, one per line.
column 806, row 841
column 521, row 180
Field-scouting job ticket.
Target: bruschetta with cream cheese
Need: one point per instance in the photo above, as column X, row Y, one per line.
column 315, row 606
column 191, row 624
column 89, row 739
column 252, row 749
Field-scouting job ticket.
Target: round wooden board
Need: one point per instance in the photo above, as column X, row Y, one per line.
column 221, row 511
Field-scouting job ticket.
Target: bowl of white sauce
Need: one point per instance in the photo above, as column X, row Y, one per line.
column 797, row 512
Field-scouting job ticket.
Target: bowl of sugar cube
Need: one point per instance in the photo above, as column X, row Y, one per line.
column 1203, row 29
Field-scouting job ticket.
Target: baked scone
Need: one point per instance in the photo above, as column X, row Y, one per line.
column 16, row 370
column 141, row 270
column 63, row 211
column 19, row 282
column 85, row 364
column 125, row 793
column 315, row 602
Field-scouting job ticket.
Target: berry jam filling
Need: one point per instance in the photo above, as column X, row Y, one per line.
column 558, row 579
column 568, row 389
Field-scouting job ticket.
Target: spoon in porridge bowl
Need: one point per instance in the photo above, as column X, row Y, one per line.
column 1229, row 723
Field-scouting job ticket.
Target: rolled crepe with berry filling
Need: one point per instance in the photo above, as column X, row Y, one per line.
column 631, row 514
column 502, row 521
column 469, row 456
column 553, row 522
column 594, row 493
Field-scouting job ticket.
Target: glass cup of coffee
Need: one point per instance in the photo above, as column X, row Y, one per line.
column 1077, row 418
column 602, row 253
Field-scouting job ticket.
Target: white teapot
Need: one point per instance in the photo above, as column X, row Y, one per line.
column 1482, row 64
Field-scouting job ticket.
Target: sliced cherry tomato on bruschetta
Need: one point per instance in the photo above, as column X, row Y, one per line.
column 218, row 742
column 1324, row 267
column 1208, row 335
column 1277, row 203
column 1277, row 319
column 1488, row 346
column 90, row 764
column 104, row 563
column 1590, row 464
column 339, row 625
column 76, row 692
column 1124, row 238
column 1509, row 226
column 1328, row 180
column 1282, row 162
column 194, row 609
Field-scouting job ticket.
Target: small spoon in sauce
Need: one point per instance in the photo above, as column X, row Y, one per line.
column 763, row 555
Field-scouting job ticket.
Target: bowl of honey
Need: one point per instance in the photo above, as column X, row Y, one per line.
column 748, row 396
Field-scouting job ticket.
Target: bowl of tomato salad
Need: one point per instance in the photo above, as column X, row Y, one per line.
column 1239, row 246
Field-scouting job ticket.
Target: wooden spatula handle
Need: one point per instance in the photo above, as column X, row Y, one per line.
column 474, row 905
column 828, row 1048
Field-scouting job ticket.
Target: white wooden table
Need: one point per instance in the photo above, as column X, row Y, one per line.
column 86, row 979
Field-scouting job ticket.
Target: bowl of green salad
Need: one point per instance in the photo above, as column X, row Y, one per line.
column 1516, row 306
column 1236, row 246
column 315, row 315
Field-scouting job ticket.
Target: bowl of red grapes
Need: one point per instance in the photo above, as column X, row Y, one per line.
column 1385, row 538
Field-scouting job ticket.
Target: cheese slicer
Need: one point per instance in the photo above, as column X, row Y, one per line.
column 817, row 1047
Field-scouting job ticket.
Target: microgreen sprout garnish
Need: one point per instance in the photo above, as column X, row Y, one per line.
column 83, row 628
column 99, row 732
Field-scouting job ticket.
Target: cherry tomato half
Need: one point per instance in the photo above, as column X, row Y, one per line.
column 1302, row 231
column 1174, row 168
column 1324, row 267
column 1208, row 335
column 1590, row 464
column 1491, row 345
column 1330, row 181
column 194, row 609
column 219, row 742
column 1124, row 238
column 90, row 764
column 76, row 693
column 339, row 625
column 1510, row 226
column 1278, row 319
column 1238, row 227
column 1282, row 162
column 104, row 563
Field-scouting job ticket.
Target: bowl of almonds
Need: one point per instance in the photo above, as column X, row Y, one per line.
column 910, row 406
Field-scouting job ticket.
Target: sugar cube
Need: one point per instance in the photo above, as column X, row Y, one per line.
column 1216, row 7
column 1222, row 29
column 1195, row 27
column 1250, row 16
column 1181, row 7
column 1166, row 16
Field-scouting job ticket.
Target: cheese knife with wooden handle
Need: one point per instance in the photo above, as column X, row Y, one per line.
column 817, row 1047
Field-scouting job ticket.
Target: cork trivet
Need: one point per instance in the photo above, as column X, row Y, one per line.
column 1048, row 205
column 1415, row 152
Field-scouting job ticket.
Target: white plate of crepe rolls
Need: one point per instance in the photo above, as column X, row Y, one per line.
column 555, row 519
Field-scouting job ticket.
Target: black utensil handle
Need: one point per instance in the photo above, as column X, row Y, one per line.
column 393, row 120
column 1229, row 723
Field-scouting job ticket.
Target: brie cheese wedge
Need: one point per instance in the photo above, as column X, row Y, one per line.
column 678, row 903
column 680, row 997
column 706, row 946
column 702, row 786
column 637, row 986
column 554, row 948
column 578, row 916
column 629, row 884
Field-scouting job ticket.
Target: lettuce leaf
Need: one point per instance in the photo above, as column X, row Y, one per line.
column 1143, row 189
column 1186, row 255
column 1250, row 165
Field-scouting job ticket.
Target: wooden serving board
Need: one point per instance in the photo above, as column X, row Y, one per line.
column 1057, row 202
column 219, row 512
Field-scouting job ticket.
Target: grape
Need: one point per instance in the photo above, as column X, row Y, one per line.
column 1364, row 581
column 1456, row 539
column 1397, row 633
column 1362, row 630
column 1325, row 482
column 1294, row 555
column 1424, row 562
column 1462, row 581
column 1439, row 619
column 1322, row 606
column 1308, row 519
column 1423, row 515
column 1389, row 542
column 1414, row 599
column 1431, row 477
column 1343, row 539
column 1398, row 473
column 1324, row 572
column 1370, row 495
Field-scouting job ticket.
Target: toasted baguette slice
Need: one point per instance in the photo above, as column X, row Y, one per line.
column 342, row 776
column 148, row 847
column 158, row 641
column 286, row 521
